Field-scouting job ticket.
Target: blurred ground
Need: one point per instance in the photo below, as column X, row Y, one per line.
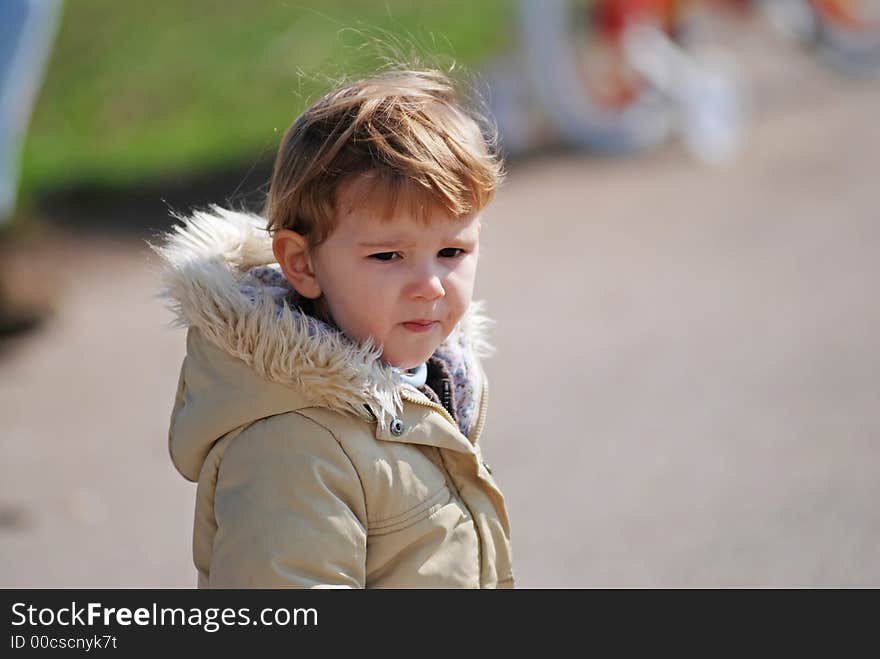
column 699, row 403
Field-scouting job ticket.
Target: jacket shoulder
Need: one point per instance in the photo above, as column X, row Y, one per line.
column 290, row 439
column 290, row 508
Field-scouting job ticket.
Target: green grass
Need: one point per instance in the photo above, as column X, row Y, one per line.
column 146, row 90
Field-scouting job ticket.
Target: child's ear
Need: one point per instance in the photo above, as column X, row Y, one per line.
column 292, row 253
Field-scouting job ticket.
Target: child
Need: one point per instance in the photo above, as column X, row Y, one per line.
column 331, row 399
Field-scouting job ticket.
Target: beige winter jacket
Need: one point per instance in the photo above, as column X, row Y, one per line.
column 316, row 465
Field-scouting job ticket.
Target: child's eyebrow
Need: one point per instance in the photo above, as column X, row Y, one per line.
column 385, row 243
column 393, row 243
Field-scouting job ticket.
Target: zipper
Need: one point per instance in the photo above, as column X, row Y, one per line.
column 424, row 402
column 481, row 416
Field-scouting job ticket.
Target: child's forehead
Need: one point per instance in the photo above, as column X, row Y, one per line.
column 368, row 205
column 370, row 226
column 381, row 197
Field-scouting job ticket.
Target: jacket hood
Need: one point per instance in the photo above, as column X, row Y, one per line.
column 252, row 350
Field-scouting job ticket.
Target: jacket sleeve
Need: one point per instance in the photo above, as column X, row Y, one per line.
column 290, row 510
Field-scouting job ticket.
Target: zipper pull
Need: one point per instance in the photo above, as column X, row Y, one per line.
column 447, row 396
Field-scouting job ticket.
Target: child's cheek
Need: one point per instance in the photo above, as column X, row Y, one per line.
column 462, row 281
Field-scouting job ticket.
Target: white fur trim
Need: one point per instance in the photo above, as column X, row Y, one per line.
column 203, row 260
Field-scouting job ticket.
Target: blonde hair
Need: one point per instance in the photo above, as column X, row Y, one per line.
column 403, row 130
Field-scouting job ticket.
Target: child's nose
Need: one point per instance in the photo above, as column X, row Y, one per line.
column 428, row 286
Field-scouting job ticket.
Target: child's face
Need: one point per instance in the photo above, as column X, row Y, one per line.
column 402, row 282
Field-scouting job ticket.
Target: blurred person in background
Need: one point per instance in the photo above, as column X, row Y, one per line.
column 27, row 30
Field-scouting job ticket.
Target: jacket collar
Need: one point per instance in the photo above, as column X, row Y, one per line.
column 217, row 271
column 418, row 424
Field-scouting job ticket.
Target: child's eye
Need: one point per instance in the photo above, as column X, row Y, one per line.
column 384, row 256
column 455, row 251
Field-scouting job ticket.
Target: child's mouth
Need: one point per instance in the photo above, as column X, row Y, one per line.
column 418, row 326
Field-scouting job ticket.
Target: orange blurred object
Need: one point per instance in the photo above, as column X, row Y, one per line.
column 845, row 13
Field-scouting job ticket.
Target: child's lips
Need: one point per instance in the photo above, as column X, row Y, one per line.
column 419, row 325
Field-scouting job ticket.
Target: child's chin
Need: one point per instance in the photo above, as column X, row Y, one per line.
column 411, row 360
column 405, row 365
